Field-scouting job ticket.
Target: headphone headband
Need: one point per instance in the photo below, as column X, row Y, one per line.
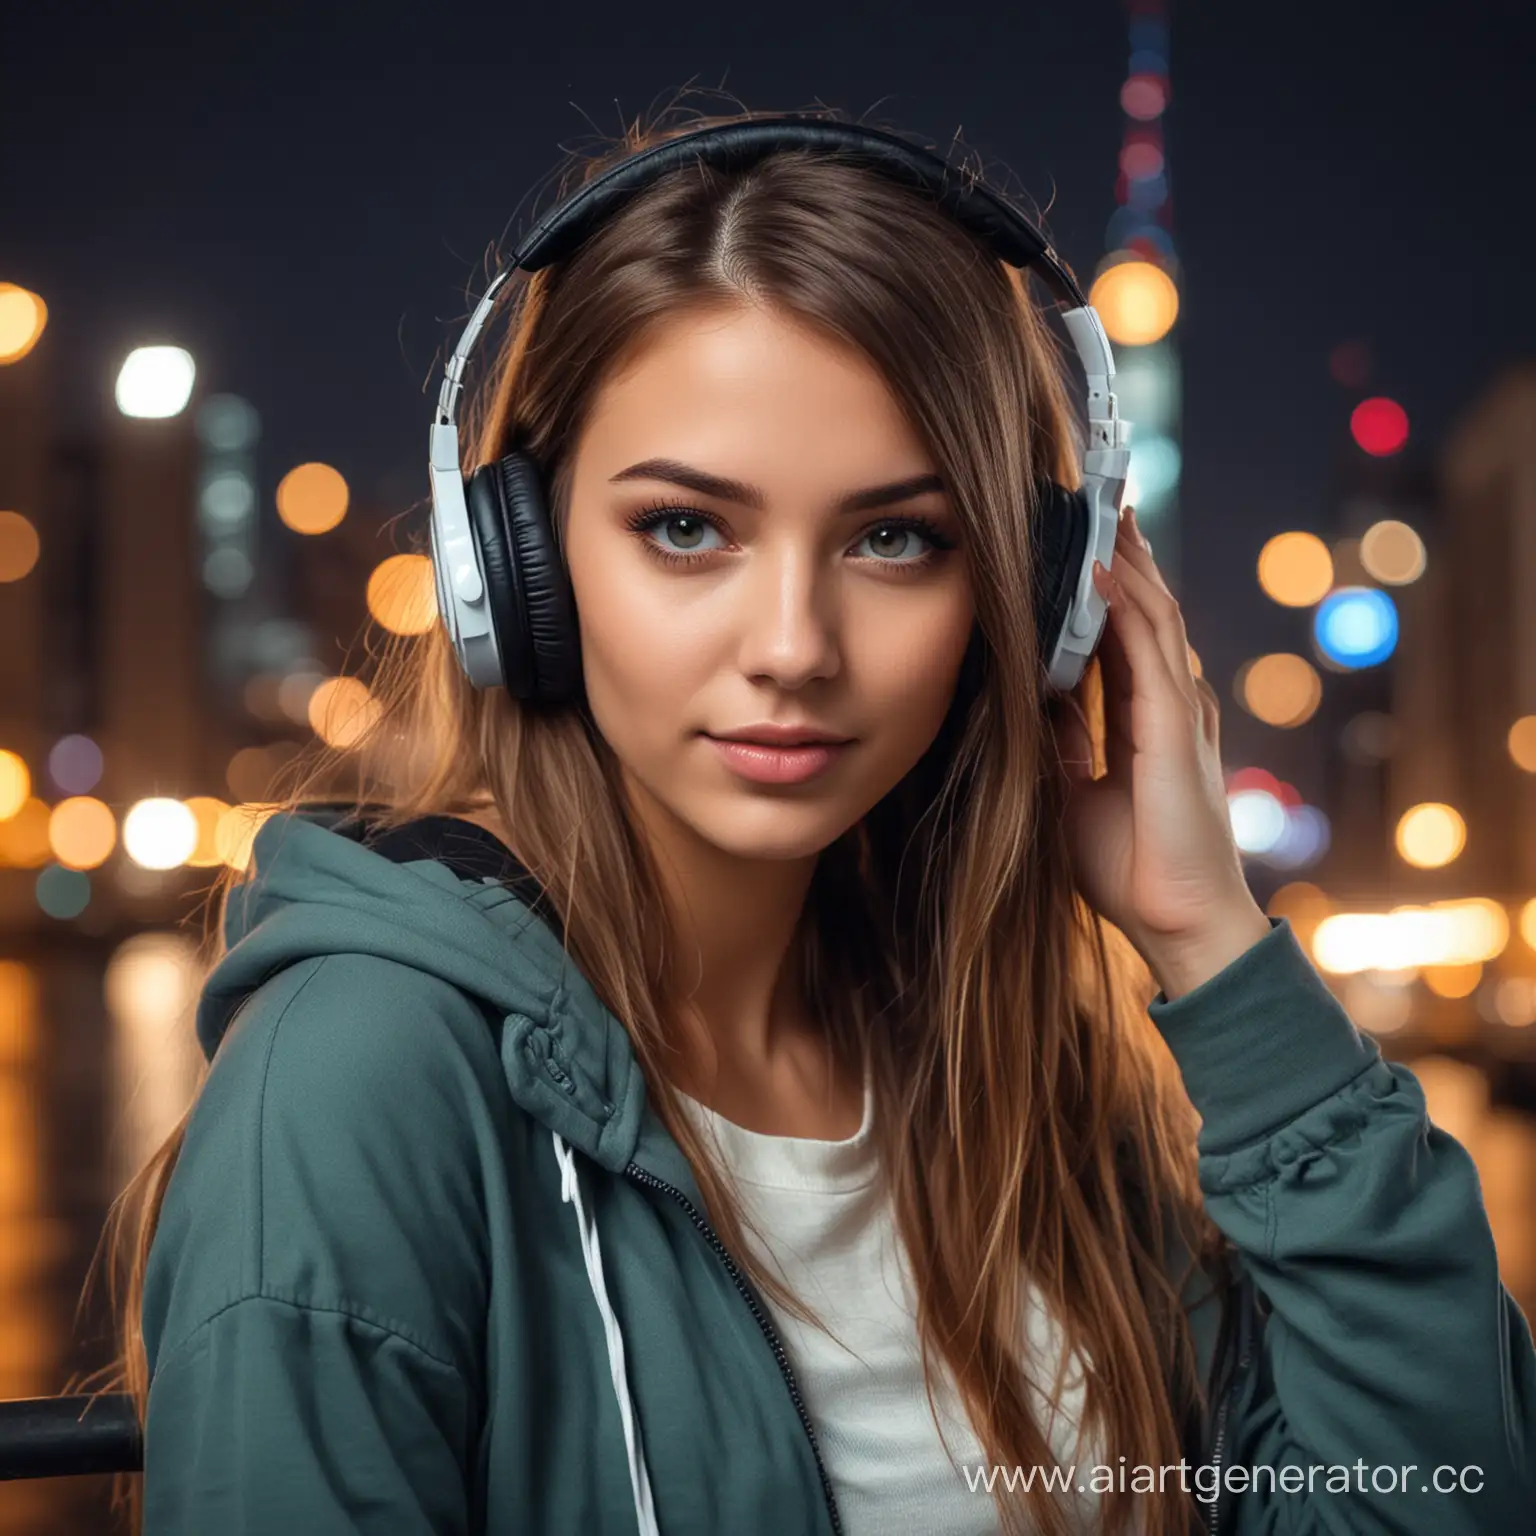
column 738, row 146
column 1007, row 232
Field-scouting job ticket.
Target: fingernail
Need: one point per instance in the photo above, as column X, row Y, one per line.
column 1141, row 538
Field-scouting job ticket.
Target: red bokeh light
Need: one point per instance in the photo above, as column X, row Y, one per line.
column 1253, row 778
column 1141, row 158
column 1379, row 426
column 1144, row 97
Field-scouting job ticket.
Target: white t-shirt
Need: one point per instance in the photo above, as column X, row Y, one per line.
column 830, row 1235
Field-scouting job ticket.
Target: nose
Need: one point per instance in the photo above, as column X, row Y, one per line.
column 788, row 621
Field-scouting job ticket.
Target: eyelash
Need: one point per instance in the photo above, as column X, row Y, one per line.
column 654, row 516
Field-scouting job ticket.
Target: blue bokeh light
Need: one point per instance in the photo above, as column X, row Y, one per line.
column 1147, row 193
column 1149, row 33
column 1356, row 626
column 1128, row 224
column 63, row 893
column 1155, row 463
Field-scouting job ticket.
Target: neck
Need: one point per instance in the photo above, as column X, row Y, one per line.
column 732, row 922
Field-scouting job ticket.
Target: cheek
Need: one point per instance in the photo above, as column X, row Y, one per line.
column 909, row 671
column 641, row 666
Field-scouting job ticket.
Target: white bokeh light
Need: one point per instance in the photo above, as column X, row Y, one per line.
column 160, row 834
column 155, row 382
column 1258, row 820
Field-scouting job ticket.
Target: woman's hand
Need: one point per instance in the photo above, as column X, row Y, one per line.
column 1151, row 839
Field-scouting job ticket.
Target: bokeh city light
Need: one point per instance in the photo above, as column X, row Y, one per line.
column 1280, row 689
column 159, row 833
column 15, row 783
column 237, row 831
column 1379, row 426
column 23, row 317
column 1295, row 569
column 342, row 711
column 312, row 498
column 1522, row 743
column 1410, row 937
column 24, row 835
column 19, row 546
column 1429, row 836
column 75, row 764
column 1356, row 627
column 82, row 832
column 1137, row 301
column 402, row 596
column 208, row 812
column 155, row 382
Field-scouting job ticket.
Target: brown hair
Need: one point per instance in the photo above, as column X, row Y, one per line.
column 1032, row 1124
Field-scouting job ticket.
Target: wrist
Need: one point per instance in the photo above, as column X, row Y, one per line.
column 1181, row 964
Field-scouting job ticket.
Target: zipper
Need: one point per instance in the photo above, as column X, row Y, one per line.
column 1221, row 1416
column 642, row 1176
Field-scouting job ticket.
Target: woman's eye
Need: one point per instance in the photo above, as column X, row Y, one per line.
column 892, row 540
column 690, row 533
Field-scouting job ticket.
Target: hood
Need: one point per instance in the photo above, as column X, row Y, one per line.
column 446, row 898
column 315, row 889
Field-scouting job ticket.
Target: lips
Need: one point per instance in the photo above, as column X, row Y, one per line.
column 763, row 763
column 789, row 736
column 788, row 744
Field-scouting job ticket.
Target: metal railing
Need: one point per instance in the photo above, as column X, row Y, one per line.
column 68, row 1436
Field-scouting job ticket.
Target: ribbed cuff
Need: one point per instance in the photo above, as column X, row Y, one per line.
column 1261, row 1042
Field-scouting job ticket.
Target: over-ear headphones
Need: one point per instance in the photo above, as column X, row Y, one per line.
column 502, row 587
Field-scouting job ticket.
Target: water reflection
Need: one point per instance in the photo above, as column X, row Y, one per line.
column 98, row 1060
column 31, row 1237
column 150, row 988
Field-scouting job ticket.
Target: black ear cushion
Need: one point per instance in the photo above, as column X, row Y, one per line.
column 1061, row 541
column 547, row 605
column 488, row 524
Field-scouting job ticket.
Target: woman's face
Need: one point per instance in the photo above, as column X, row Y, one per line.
column 782, row 584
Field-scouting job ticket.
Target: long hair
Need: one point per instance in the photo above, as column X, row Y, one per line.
column 1032, row 1127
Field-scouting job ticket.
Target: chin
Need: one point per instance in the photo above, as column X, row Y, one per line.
column 764, row 829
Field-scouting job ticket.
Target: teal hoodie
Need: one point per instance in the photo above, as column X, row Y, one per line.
column 429, row 1262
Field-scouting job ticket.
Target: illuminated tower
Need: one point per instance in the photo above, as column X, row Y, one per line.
column 1136, row 291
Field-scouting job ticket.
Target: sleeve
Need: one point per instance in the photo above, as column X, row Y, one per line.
column 316, row 1296
column 274, row 1419
column 1392, row 1385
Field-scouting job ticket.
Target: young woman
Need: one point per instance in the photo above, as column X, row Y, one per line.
column 613, row 1125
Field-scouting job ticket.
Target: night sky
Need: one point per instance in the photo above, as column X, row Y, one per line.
column 303, row 197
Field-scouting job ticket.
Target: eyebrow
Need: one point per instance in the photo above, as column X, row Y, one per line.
column 674, row 472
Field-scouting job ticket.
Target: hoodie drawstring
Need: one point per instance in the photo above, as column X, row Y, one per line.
column 639, row 1477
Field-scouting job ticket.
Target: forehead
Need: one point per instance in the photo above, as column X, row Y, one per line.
column 749, row 391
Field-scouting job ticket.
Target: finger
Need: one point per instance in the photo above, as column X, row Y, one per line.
column 1139, row 549
column 1146, row 581
column 1118, row 682
column 1143, row 673
column 1145, row 585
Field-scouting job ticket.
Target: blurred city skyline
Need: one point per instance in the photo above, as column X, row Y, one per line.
column 308, row 206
